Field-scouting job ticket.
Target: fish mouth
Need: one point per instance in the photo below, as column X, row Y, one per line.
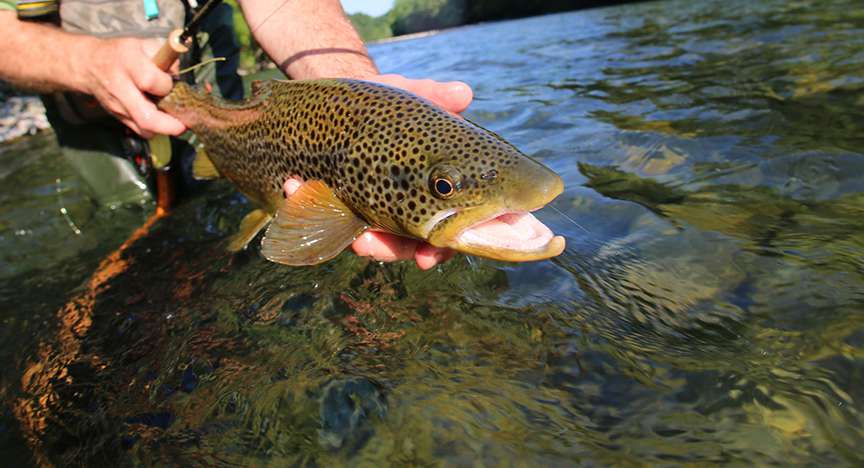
column 508, row 231
column 513, row 236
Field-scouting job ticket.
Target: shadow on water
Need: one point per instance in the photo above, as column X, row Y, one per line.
column 706, row 310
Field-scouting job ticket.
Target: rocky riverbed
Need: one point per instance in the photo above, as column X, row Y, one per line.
column 21, row 115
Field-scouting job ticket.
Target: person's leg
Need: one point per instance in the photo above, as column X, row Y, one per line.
column 97, row 152
column 222, row 42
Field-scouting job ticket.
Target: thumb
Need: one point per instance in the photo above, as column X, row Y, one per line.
column 292, row 185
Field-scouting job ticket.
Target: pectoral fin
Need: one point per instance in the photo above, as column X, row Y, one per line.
column 249, row 228
column 312, row 227
column 202, row 167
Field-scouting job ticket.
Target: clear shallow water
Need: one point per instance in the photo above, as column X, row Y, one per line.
column 708, row 309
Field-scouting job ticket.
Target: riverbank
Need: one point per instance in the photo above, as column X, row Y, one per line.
column 406, row 37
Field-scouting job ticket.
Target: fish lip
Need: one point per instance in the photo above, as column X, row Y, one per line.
column 542, row 246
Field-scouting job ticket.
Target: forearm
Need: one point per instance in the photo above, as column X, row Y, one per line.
column 40, row 57
column 309, row 38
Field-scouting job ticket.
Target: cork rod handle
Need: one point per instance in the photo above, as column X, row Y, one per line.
column 171, row 50
column 164, row 58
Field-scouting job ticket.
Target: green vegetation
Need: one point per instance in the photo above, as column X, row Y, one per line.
column 371, row 28
column 410, row 16
column 249, row 49
column 486, row 10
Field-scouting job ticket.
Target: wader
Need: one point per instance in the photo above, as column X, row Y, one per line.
column 113, row 160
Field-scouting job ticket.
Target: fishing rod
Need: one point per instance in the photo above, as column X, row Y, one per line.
column 179, row 40
column 178, row 43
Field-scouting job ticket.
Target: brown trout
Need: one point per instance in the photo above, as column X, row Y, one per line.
column 372, row 157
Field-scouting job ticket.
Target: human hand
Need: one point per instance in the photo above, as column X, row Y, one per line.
column 452, row 96
column 118, row 72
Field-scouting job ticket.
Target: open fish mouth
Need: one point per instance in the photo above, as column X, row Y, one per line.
column 510, row 236
column 502, row 227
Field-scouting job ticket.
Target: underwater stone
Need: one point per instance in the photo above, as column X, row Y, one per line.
column 346, row 408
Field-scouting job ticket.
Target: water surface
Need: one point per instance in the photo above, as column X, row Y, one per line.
column 708, row 308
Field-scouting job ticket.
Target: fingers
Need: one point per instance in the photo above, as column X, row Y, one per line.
column 116, row 108
column 152, row 80
column 144, row 113
column 292, row 185
column 123, row 73
column 427, row 256
column 151, row 47
column 453, row 96
column 378, row 245
column 384, row 247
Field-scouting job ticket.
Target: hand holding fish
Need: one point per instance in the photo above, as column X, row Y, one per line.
column 375, row 159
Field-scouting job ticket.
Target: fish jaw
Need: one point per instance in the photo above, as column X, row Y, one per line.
column 509, row 232
column 511, row 237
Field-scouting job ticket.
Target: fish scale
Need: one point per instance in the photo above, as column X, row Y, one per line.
column 378, row 149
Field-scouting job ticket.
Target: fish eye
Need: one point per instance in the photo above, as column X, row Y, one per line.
column 445, row 181
column 443, row 188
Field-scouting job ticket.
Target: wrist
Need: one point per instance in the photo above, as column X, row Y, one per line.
column 364, row 74
column 342, row 63
column 361, row 67
column 85, row 51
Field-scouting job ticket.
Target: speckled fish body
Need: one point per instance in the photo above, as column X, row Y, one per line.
column 397, row 163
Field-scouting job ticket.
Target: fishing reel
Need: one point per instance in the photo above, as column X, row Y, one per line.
column 137, row 151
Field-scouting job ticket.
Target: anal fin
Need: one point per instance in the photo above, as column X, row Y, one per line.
column 249, row 228
column 311, row 227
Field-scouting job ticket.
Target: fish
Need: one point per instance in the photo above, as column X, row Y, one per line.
column 371, row 157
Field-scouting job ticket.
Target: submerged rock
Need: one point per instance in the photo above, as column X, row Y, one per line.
column 346, row 408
